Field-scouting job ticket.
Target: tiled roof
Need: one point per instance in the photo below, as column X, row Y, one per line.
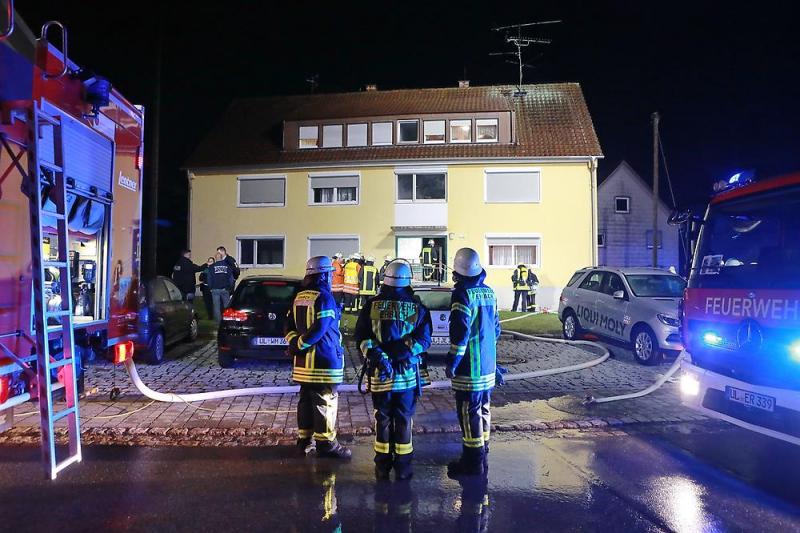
column 552, row 121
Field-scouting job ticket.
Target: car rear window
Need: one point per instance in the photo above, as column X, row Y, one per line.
column 434, row 299
column 260, row 293
column 575, row 277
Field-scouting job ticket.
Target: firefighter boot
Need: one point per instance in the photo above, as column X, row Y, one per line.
column 306, row 445
column 333, row 450
column 402, row 467
column 383, row 465
column 470, row 464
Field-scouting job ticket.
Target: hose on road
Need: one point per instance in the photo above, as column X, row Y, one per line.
column 652, row 388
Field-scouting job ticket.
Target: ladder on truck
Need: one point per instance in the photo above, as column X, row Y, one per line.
column 47, row 181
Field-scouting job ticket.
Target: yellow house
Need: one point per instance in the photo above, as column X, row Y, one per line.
column 512, row 175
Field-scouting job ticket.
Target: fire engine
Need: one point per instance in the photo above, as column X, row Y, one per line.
column 741, row 316
column 71, row 149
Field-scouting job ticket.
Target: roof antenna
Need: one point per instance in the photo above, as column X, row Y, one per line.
column 313, row 83
column 521, row 41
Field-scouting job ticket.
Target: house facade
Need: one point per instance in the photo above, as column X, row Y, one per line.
column 625, row 236
column 383, row 172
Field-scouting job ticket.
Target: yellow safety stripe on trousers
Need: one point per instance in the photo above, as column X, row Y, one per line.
column 486, row 435
column 456, row 306
column 473, row 442
column 403, row 449
column 328, row 436
column 304, row 433
column 381, row 447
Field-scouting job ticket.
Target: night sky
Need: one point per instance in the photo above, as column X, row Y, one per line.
column 723, row 75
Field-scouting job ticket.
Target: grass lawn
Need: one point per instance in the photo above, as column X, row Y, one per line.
column 546, row 324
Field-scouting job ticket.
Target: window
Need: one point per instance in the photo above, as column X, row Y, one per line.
column 333, row 188
column 332, row 136
column 486, row 129
column 408, row 131
column 158, row 292
column 261, row 251
column 174, row 293
column 513, row 185
column 648, row 239
column 460, row 131
column 357, row 135
column 612, row 284
column 434, row 131
column 601, row 239
column 593, row 281
column 309, row 137
column 381, row 133
column 421, row 187
column 262, row 191
column 622, row 204
column 513, row 251
column 332, row 244
column 575, row 277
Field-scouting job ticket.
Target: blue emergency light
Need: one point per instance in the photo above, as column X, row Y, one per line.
column 712, row 339
column 739, row 179
column 794, row 351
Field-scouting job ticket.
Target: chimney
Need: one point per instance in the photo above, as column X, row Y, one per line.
column 463, row 84
column 371, row 87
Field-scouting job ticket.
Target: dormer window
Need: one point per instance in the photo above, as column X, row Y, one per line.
column 407, row 131
column 309, row 137
column 433, row 131
column 357, row 134
column 381, row 133
column 332, row 136
column 486, row 129
column 460, row 131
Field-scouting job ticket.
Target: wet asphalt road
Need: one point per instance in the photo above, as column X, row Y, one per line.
column 675, row 478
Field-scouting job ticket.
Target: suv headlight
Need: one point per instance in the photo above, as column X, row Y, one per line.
column 669, row 320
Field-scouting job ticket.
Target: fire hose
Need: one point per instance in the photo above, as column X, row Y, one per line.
column 655, row 386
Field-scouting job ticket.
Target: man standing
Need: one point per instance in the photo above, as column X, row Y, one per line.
column 426, row 258
column 392, row 332
column 472, row 361
column 351, row 278
column 337, row 285
column 386, row 260
column 367, row 281
column 533, row 283
column 315, row 344
column 183, row 274
column 522, row 284
column 235, row 270
column 220, row 280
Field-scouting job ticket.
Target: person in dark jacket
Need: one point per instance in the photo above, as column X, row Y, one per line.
column 184, row 275
column 220, row 280
column 472, row 360
column 235, row 270
column 204, row 290
column 392, row 332
column 315, row 344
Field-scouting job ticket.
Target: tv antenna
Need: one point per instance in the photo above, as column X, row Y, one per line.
column 521, row 41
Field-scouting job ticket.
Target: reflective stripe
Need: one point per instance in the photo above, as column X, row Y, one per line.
column 381, row 447
column 291, row 335
column 305, row 433
column 456, row 306
column 328, row 436
column 303, row 345
column 366, row 345
column 456, row 349
column 403, row 449
column 473, row 443
column 486, row 436
column 468, row 384
column 326, row 313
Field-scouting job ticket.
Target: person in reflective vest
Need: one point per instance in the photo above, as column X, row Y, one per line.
column 533, row 281
column 382, row 271
column 351, row 273
column 471, row 363
column 337, row 285
column 315, row 345
column 367, row 281
column 426, row 258
column 522, row 284
column 392, row 332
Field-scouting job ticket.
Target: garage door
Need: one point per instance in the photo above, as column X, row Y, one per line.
column 331, row 245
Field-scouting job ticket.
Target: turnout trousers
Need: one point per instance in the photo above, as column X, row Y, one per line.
column 520, row 297
column 475, row 419
column 316, row 413
column 394, row 412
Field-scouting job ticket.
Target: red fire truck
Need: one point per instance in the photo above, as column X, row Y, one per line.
column 741, row 320
column 71, row 151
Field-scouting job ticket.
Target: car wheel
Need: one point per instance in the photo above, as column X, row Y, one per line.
column 192, row 330
column 225, row 359
column 645, row 346
column 155, row 350
column 571, row 328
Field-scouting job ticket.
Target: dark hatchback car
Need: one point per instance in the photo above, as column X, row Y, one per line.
column 254, row 322
column 164, row 319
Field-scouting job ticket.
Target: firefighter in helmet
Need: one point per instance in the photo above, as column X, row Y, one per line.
column 472, row 360
column 367, row 281
column 392, row 332
column 428, row 257
column 315, row 344
column 521, row 279
column 337, row 284
column 351, row 273
column 386, row 260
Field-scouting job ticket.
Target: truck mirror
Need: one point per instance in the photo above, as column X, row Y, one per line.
column 619, row 295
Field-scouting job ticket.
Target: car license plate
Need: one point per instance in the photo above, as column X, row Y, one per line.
column 269, row 341
column 440, row 340
column 750, row 399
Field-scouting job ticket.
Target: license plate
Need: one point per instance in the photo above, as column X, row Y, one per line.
column 440, row 340
column 750, row 399
column 269, row 341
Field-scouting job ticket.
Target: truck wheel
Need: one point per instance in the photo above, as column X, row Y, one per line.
column 645, row 346
column 155, row 350
column 571, row 328
column 192, row 330
column 225, row 359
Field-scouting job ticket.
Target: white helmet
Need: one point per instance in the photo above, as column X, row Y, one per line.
column 338, row 255
column 430, row 242
column 397, row 274
column 467, row 263
column 370, row 259
column 318, row 265
column 388, row 257
column 356, row 255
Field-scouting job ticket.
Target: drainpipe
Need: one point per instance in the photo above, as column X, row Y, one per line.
column 189, row 180
column 593, row 187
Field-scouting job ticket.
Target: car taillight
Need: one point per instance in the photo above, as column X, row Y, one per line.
column 235, row 315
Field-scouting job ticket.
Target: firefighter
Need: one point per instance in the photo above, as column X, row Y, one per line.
column 337, row 285
column 533, row 280
column 367, row 282
column 386, row 260
column 351, row 273
column 471, row 361
column 427, row 260
column 521, row 280
column 392, row 332
column 315, row 344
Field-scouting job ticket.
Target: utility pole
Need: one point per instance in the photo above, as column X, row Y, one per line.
column 151, row 223
column 655, row 118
